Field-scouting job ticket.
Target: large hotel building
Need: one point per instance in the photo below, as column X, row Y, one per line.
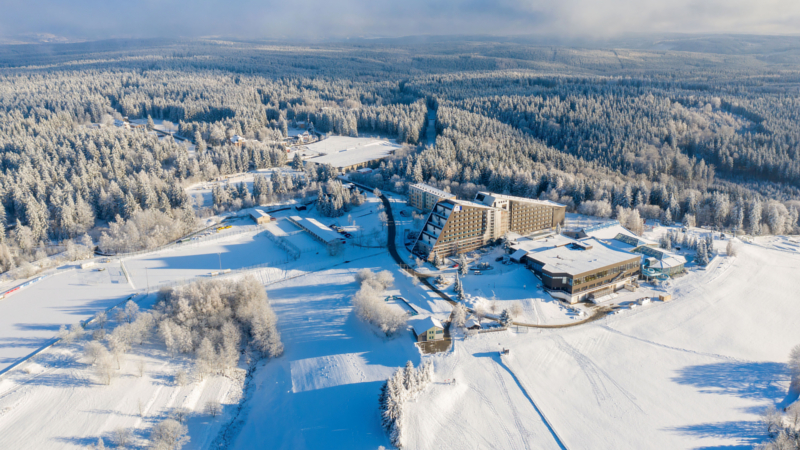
column 457, row 226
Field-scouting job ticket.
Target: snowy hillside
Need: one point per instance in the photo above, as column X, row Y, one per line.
column 693, row 372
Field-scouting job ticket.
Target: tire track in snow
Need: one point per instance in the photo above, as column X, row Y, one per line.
column 595, row 375
column 677, row 349
column 546, row 422
column 521, row 430
column 488, row 402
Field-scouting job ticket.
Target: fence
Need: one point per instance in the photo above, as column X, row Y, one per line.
column 283, row 243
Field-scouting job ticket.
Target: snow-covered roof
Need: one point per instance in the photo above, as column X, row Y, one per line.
column 668, row 259
column 538, row 245
column 517, row 255
column 575, row 259
column 611, row 231
column 432, row 190
column 489, row 198
column 315, row 227
column 666, row 263
column 472, row 322
column 455, row 202
column 257, row 213
column 236, row 138
column 342, row 151
column 423, row 325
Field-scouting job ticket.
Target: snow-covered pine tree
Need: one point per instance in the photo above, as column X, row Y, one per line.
column 702, row 255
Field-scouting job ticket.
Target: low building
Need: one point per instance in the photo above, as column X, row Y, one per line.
column 237, row 140
column 317, row 230
column 580, row 270
column 424, row 197
column 348, row 153
column 660, row 263
column 473, row 323
column 260, row 217
column 428, row 329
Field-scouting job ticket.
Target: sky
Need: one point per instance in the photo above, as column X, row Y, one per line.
column 337, row 19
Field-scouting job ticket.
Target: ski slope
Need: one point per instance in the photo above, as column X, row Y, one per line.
column 692, row 373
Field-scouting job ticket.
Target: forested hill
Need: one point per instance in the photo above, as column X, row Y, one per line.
column 699, row 136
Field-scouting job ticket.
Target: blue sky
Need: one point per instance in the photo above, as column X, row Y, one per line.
column 321, row 19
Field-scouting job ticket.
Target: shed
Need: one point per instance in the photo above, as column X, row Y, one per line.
column 260, row 217
column 473, row 323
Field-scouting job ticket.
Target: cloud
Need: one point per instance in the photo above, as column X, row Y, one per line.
column 321, row 19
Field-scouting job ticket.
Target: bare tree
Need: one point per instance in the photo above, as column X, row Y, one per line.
column 181, row 379
column 180, row 414
column 122, row 437
column 515, row 311
column 213, row 408
column 169, row 435
column 140, row 366
column 730, row 249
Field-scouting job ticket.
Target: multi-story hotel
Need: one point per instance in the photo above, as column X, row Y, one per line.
column 457, row 226
column 424, row 197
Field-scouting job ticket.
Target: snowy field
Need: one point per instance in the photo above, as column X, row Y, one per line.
column 692, row 373
column 323, row 392
column 30, row 318
column 56, row 401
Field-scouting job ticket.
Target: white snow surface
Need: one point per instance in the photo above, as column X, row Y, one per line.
column 691, row 373
column 694, row 372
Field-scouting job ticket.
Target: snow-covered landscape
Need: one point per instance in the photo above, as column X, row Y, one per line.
column 692, row 372
column 306, row 226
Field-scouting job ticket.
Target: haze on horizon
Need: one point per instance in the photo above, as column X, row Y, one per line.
column 320, row 20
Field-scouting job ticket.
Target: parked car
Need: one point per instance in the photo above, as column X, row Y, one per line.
column 455, row 266
column 499, row 258
column 348, row 235
column 477, row 272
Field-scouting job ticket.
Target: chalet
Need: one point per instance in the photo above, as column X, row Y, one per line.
column 428, row 329
column 237, row 140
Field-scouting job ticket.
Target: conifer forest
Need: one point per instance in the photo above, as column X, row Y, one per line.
column 681, row 137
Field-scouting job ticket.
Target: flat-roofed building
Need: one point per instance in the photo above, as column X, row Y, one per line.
column 660, row 263
column 424, row 197
column 350, row 153
column 317, row 230
column 579, row 270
